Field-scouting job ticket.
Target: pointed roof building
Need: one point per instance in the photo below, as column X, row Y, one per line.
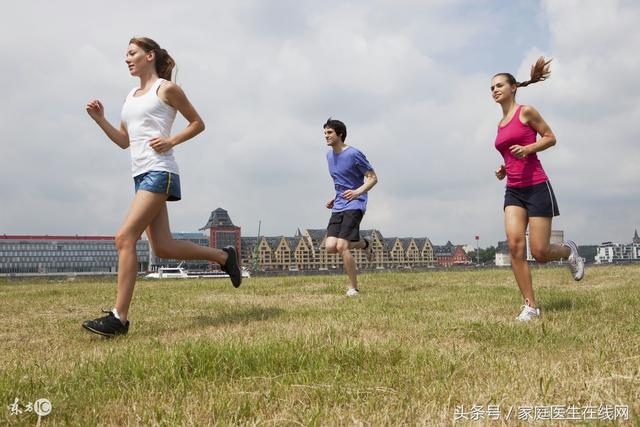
column 218, row 218
column 222, row 231
column 316, row 235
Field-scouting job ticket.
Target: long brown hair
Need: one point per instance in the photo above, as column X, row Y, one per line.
column 164, row 62
column 540, row 71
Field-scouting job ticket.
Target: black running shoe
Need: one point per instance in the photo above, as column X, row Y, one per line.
column 231, row 267
column 107, row 326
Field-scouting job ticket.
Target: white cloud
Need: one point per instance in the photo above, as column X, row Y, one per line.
column 409, row 78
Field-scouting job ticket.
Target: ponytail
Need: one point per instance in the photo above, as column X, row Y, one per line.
column 164, row 63
column 540, row 71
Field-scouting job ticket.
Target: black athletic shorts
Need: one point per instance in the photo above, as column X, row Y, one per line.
column 538, row 199
column 345, row 225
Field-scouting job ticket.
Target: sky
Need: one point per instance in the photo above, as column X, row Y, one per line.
column 409, row 78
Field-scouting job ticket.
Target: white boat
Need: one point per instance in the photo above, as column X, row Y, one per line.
column 182, row 273
column 169, row 273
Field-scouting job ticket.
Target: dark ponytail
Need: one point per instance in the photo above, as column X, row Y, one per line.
column 540, row 71
column 164, row 62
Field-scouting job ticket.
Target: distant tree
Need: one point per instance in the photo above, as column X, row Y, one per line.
column 487, row 255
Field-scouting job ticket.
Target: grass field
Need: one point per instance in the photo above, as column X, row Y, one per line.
column 412, row 349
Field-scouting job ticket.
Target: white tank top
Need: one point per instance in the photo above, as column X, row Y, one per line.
column 146, row 117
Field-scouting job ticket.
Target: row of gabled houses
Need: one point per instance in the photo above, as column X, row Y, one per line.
column 306, row 252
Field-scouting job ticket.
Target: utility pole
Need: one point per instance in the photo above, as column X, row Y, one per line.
column 478, row 249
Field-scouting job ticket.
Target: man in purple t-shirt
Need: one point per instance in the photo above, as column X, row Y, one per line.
column 353, row 177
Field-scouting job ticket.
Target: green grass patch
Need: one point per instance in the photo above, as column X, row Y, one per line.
column 410, row 349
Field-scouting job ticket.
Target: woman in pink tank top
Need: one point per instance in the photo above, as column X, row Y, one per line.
column 146, row 120
column 529, row 200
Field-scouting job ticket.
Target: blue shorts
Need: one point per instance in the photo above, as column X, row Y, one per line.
column 159, row 182
column 538, row 200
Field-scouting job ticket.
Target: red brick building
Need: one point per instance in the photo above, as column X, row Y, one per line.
column 450, row 255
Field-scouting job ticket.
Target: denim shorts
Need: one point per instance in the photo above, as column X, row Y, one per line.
column 159, row 182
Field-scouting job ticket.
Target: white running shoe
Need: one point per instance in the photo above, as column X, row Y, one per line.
column 528, row 313
column 576, row 263
column 368, row 251
column 352, row 292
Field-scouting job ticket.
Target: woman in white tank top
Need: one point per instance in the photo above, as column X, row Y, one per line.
column 147, row 116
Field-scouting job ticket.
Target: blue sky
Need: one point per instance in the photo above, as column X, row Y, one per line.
column 410, row 78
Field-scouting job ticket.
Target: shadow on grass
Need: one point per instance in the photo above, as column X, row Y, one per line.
column 251, row 314
column 561, row 304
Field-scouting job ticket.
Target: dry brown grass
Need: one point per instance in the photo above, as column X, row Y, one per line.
column 410, row 349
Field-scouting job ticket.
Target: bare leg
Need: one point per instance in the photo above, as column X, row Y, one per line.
column 144, row 208
column 539, row 238
column 343, row 247
column 159, row 235
column 149, row 210
column 331, row 244
column 515, row 224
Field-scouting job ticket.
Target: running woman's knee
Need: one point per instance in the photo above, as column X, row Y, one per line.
column 124, row 240
column 517, row 246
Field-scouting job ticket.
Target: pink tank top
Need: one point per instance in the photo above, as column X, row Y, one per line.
column 520, row 172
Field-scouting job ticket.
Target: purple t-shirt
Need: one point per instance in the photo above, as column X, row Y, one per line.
column 347, row 170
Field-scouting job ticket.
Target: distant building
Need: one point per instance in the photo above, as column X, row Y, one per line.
column 451, row 255
column 306, row 251
column 222, row 231
column 64, row 254
column 609, row 252
column 503, row 257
